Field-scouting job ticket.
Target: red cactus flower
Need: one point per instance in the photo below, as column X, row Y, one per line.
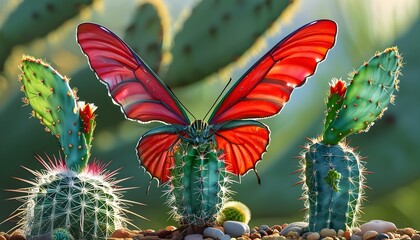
column 338, row 87
column 86, row 114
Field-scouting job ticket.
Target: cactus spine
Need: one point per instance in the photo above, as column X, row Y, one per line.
column 69, row 194
column 198, row 186
column 332, row 173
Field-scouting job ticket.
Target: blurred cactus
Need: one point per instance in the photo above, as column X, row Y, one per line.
column 215, row 34
column 83, row 199
column 332, row 173
column 31, row 20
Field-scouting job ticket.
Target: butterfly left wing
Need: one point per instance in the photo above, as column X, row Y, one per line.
column 155, row 150
column 243, row 143
column 264, row 89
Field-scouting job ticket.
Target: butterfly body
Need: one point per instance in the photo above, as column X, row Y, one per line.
column 230, row 141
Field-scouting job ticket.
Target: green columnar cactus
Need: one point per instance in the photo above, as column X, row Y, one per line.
column 332, row 173
column 198, row 185
column 33, row 19
column 61, row 234
column 82, row 199
column 53, row 103
column 215, row 34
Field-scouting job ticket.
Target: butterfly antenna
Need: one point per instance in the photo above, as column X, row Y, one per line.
column 186, row 109
column 217, row 99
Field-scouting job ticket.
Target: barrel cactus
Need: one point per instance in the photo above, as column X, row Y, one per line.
column 68, row 193
column 333, row 174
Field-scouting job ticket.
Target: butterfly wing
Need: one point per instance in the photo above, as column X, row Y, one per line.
column 243, row 143
column 267, row 85
column 155, row 150
column 141, row 95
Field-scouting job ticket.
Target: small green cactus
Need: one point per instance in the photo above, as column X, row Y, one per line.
column 199, row 184
column 332, row 173
column 61, row 234
column 234, row 211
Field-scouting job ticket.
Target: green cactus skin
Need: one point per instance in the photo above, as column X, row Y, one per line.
column 367, row 96
column 334, row 100
column 144, row 34
column 198, row 186
column 333, row 182
column 61, row 234
column 53, row 103
column 215, row 34
column 88, row 204
column 234, row 211
column 33, row 19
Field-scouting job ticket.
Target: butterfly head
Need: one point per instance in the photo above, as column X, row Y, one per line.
column 199, row 131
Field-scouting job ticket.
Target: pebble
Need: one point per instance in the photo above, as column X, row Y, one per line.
column 213, row 233
column 328, row 238
column 194, row 237
column 295, row 227
column 326, row 232
column 2, row 238
column 347, row 235
column 272, row 237
column 225, row 237
column 382, row 236
column 409, row 231
column 355, row 237
column 121, row 233
column 340, row 233
column 236, row 229
column 379, row 226
column 18, row 234
column 255, row 235
column 415, row 237
column 170, row 228
column 264, row 227
column 371, row 234
column 277, row 227
column 313, row 236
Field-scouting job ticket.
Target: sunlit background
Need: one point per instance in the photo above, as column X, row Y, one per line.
column 392, row 145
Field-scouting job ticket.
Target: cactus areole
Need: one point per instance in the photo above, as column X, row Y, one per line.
column 193, row 157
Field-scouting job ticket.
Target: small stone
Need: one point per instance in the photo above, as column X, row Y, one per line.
column 355, row 237
column 121, row 233
column 370, row 234
column 194, row 237
column 263, row 233
column 2, row 238
column 415, row 237
column 213, row 233
column 295, row 227
column 236, row 229
column 255, row 235
column 278, row 227
column 381, row 236
column 313, row 236
column 357, row 231
column 340, row 233
column 326, row 232
column 293, row 234
column 272, row 237
column 328, row 238
column 269, row 231
column 409, row 231
column 405, row 237
column 263, row 227
column 391, row 235
column 18, row 234
column 379, row 226
column 347, row 235
column 225, row 237
column 170, row 228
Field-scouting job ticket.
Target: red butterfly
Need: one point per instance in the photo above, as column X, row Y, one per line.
column 261, row 92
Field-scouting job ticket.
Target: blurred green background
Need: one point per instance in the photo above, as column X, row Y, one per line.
column 162, row 33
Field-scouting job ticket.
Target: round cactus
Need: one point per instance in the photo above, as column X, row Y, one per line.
column 61, row 234
column 234, row 211
column 88, row 204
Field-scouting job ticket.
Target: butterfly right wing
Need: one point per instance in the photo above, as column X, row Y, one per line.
column 155, row 151
column 132, row 85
